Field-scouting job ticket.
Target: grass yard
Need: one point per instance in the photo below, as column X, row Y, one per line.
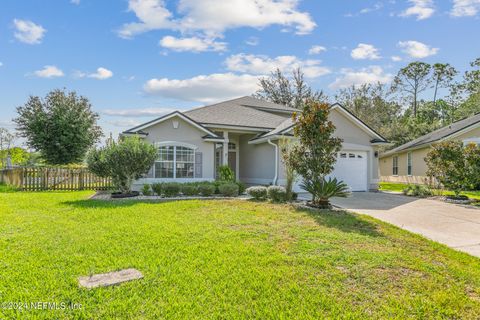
column 224, row 260
column 398, row 187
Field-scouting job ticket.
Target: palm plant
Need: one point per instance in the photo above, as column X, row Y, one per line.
column 322, row 190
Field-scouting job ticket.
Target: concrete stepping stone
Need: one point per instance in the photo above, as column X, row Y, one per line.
column 110, row 278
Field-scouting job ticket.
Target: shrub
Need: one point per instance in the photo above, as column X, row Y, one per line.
column 206, row 189
column 189, row 189
column 322, row 190
column 226, row 174
column 258, row 192
column 294, row 196
column 157, row 188
column 171, row 189
column 146, row 190
column 124, row 161
column 277, row 193
column 241, row 187
column 229, row 189
column 417, row 190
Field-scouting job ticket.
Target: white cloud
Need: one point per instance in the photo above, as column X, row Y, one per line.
column 416, row 49
column 124, row 123
column 100, row 74
column 77, row 2
column 365, row 51
column 1, row 64
column 316, row 49
column 465, row 8
column 213, row 17
column 261, row 65
column 28, row 32
column 396, row 58
column 194, row 44
column 252, row 41
column 422, row 9
column 349, row 77
column 377, row 6
column 204, row 88
column 49, row 72
column 145, row 112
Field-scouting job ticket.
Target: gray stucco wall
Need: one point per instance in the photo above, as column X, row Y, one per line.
column 185, row 133
column 257, row 161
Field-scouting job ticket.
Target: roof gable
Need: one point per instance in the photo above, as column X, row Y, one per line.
column 169, row 116
column 444, row 133
column 286, row 127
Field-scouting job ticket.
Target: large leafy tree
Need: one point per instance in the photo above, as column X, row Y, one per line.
column 413, row 80
column 124, row 161
column 62, row 126
column 289, row 91
column 314, row 155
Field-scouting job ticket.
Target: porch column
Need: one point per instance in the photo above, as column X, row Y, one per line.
column 225, row 148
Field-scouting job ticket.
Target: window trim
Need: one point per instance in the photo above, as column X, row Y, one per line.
column 395, row 166
column 175, row 144
column 409, row 164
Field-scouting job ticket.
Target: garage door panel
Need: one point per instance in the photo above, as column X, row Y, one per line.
column 351, row 168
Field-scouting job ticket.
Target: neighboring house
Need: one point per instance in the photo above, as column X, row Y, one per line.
column 244, row 134
column 406, row 163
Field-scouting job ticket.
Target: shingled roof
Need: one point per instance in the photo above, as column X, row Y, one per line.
column 438, row 134
column 244, row 112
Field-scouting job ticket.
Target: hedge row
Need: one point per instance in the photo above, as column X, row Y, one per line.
column 274, row 193
column 205, row 189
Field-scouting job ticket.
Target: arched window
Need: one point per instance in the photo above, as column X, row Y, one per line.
column 175, row 161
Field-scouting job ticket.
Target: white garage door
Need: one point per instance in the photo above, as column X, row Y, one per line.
column 351, row 168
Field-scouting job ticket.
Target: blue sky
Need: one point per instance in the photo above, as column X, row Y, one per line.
column 139, row 59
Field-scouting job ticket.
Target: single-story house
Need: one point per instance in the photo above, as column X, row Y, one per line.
column 406, row 163
column 244, row 134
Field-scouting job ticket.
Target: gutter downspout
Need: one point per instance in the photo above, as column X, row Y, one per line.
column 275, row 179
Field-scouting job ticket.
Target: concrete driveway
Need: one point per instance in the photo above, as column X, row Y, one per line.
column 453, row 225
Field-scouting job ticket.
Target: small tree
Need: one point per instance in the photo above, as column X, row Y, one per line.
column 315, row 154
column 453, row 165
column 124, row 161
column 62, row 126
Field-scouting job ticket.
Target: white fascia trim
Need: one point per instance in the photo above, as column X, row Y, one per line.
column 272, row 137
column 175, row 143
column 180, row 115
column 459, row 133
column 356, row 121
column 237, row 128
column 214, row 139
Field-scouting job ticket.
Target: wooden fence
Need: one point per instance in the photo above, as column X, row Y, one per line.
column 40, row 179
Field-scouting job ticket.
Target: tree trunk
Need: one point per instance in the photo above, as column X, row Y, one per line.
column 415, row 104
column 435, row 94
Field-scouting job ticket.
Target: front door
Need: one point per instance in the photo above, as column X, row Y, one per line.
column 232, row 161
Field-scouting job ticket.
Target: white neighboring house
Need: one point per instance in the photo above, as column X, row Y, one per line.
column 244, row 134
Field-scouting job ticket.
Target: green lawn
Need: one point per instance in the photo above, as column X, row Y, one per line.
column 398, row 187
column 224, row 260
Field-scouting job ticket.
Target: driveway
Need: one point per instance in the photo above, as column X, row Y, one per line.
column 453, row 225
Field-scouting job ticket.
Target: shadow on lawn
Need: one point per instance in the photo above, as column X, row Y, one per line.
column 99, row 204
column 343, row 221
